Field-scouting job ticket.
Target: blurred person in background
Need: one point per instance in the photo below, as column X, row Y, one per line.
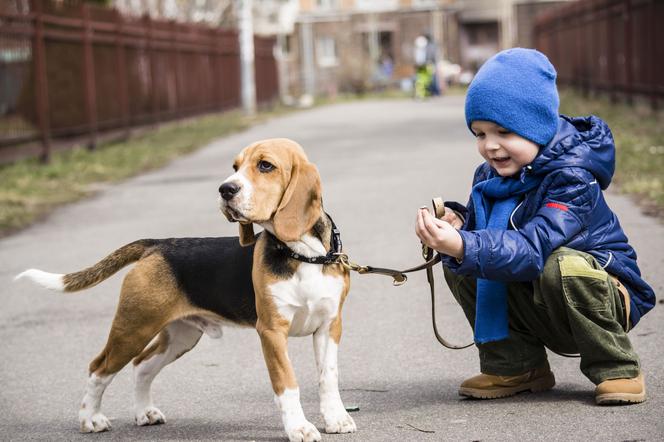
column 426, row 81
column 384, row 71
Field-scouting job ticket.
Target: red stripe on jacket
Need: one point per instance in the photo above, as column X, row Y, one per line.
column 557, row 206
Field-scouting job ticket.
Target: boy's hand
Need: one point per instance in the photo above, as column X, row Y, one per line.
column 452, row 218
column 438, row 234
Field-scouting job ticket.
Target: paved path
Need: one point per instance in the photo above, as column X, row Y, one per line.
column 379, row 161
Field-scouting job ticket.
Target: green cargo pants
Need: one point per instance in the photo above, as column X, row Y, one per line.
column 572, row 307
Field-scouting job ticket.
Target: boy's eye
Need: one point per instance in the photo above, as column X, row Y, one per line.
column 504, row 132
column 265, row 166
column 479, row 135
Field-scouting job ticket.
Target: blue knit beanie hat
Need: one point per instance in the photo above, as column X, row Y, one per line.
column 516, row 89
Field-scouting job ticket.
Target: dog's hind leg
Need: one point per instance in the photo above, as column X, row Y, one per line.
column 175, row 340
column 149, row 300
column 89, row 416
column 124, row 343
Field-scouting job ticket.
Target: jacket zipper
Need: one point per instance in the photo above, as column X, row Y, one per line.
column 512, row 215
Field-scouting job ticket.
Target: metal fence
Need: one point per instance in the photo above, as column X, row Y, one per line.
column 613, row 47
column 70, row 69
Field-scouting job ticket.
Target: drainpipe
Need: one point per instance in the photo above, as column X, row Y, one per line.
column 248, row 80
column 282, row 66
column 306, row 39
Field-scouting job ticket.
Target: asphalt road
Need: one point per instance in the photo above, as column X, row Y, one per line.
column 379, row 161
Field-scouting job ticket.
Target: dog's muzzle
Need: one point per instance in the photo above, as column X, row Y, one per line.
column 230, row 213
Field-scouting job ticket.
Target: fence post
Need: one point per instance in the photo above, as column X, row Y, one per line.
column 629, row 59
column 579, row 70
column 653, row 54
column 176, row 55
column 153, row 69
column 89, row 77
column 122, row 74
column 611, row 59
column 596, row 51
column 41, row 89
column 218, row 78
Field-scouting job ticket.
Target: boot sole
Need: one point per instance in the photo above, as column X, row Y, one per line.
column 535, row 386
column 620, row 398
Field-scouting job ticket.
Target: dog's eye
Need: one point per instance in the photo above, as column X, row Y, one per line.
column 265, row 167
column 235, row 167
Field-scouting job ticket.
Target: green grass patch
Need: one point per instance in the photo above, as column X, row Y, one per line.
column 639, row 137
column 29, row 190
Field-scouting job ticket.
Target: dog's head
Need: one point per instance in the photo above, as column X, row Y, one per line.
column 274, row 185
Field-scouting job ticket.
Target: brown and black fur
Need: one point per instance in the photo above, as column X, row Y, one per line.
column 187, row 277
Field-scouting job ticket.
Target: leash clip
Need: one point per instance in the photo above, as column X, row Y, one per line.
column 346, row 263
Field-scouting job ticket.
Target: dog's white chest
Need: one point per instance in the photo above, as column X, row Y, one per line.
column 309, row 299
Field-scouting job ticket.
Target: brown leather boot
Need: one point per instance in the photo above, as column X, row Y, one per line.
column 488, row 386
column 621, row 391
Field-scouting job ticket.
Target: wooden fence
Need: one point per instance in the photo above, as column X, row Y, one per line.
column 71, row 69
column 613, row 47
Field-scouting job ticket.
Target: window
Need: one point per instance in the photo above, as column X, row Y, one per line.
column 421, row 4
column 376, row 5
column 327, row 4
column 287, row 44
column 326, row 51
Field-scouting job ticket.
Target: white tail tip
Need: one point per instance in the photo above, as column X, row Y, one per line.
column 53, row 281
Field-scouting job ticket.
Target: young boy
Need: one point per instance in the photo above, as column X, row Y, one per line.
column 537, row 259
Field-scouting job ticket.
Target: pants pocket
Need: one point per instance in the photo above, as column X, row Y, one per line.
column 584, row 286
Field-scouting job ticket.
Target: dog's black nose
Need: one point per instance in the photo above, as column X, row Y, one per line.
column 228, row 190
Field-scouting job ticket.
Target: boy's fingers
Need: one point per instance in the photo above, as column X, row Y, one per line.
column 419, row 224
column 449, row 216
column 423, row 233
column 430, row 224
column 421, row 230
column 421, row 219
column 440, row 223
column 423, row 236
column 418, row 220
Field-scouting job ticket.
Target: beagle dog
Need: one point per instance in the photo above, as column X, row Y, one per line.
column 181, row 288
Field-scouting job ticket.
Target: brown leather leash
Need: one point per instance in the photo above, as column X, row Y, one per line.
column 399, row 276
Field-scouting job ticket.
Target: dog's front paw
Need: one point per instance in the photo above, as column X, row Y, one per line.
column 149, row 416
column 303, row 432
column 95, row 423
column 339, row 422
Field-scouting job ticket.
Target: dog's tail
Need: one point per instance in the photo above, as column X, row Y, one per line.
column 91, row 276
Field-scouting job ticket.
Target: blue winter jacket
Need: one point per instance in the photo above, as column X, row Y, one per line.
column 567, row 209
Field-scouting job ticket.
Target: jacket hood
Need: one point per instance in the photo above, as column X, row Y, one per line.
column 584, row 142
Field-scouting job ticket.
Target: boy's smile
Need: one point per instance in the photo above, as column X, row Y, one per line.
column 505, row 151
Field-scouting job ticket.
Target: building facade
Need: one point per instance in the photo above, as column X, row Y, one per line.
column 353, row 45
column 332, row 46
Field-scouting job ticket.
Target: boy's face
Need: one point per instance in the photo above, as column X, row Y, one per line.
column 505, row 151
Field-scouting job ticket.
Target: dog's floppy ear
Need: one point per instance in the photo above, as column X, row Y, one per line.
column 300, row 206
column 247, row 236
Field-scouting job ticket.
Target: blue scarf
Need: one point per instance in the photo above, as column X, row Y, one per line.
column 494, row 200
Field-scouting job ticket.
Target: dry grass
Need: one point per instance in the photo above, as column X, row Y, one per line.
column 639, row 137
column 30, row 190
